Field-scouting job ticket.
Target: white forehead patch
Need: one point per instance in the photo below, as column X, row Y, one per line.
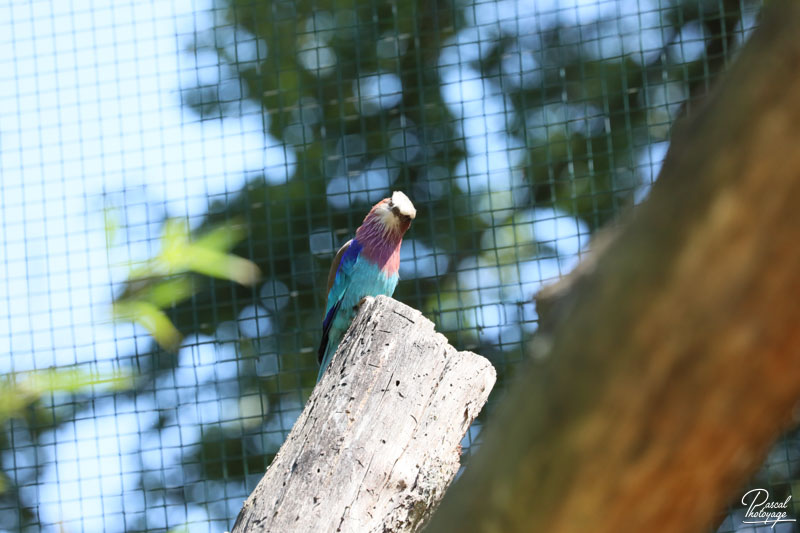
column 403, row 204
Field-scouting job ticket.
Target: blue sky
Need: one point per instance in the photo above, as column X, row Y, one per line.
column 90, row 116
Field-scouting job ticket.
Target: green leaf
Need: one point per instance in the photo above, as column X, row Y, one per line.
column 152, row 319
column 223, row 266
column 20, row 389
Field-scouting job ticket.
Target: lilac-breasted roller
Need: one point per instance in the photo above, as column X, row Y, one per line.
column 365, row 266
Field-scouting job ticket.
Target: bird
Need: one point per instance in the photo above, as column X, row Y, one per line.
column 366, row 265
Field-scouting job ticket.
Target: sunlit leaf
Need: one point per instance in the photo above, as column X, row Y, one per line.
column 166, row 279
column 173, row 246
column 224, row 266
column 223, row 237
column 20, row 389
column 170, row 291
column 111, row 224
column 153, row 319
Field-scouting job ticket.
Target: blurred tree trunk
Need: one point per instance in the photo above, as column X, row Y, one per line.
column 673, row 362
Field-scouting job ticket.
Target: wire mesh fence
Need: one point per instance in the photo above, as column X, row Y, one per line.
column 177, row 175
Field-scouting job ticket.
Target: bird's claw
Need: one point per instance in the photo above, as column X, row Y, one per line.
column 360, row 303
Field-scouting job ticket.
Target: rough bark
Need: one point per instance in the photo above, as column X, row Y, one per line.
column 673, row 363
column 379, row 440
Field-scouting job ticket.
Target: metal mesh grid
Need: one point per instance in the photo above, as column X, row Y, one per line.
column 146, row 389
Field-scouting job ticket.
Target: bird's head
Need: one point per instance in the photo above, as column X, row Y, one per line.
column 395, row 213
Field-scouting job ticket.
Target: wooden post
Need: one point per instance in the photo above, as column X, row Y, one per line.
column 379, row 440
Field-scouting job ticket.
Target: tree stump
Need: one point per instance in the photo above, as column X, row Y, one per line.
column 379, row 440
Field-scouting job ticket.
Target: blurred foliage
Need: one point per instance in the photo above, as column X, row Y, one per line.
column 582, row 118
column 31, row 403
column 19, row 391
column 355, row 95
column 166, row 279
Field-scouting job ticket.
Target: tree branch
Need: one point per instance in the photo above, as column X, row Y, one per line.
column 674, row 362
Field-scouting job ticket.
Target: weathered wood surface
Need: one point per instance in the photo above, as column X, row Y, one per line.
column 673, row 362
column 379, row 440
